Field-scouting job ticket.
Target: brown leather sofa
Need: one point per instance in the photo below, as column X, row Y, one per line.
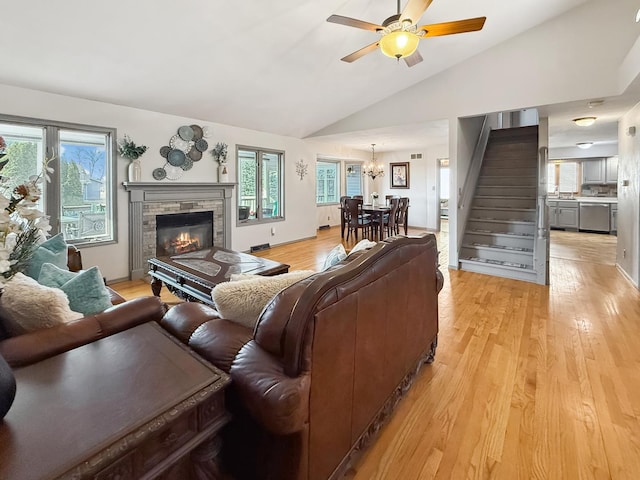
column 35, row 346
column 327, row 362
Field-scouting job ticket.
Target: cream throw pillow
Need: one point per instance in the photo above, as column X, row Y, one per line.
column 31, row 306
column 242, row 301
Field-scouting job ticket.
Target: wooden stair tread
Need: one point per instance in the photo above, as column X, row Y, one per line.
column 498, row 263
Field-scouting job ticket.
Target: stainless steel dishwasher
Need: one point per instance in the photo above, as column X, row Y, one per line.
column 594, row 216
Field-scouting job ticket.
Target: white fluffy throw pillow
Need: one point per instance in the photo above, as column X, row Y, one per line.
column 31, row 306
column 242, row 301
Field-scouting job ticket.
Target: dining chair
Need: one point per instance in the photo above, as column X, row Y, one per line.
column 357, row 221
column 390, row 219
column 402, row 214
column 344, row 214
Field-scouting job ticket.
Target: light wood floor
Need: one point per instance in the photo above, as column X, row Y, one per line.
column 529, row 381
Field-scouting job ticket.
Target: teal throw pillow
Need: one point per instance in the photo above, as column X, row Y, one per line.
column 85, row 290
column 53, row 250
column 336, row 255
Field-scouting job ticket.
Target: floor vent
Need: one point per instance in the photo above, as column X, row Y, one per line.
column 257, row 248
column 324, row 227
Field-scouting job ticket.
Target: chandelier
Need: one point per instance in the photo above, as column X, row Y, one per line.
column 373, row 169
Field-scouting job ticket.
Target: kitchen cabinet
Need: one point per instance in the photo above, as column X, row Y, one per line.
column 600, row 171
column 563, row 214
column 613, row 226
column 611, row 170
column 593, row 171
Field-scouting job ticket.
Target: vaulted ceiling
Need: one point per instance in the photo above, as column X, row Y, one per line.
column 265, row 65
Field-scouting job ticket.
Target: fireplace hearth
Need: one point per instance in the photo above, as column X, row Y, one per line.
column 179, row 233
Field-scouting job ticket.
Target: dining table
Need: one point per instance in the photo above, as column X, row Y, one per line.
column 377, row 213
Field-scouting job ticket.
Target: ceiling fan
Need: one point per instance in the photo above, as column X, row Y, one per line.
column 400, row 33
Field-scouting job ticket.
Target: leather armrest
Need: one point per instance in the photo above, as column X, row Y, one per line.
column 200, row 326
column 278, row 402
column 35, row 346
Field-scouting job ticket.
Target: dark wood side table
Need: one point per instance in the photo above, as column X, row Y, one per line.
column 136, row 405
column 191, row 276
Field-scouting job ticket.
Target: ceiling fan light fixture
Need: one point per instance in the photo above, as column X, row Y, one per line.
column 399, row 44
column 584, row 145
column 584, row 121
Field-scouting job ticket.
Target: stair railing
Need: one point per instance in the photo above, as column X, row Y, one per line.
column 467, row 192
column 541, row 244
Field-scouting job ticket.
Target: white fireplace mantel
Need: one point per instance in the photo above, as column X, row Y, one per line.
column 145, row 196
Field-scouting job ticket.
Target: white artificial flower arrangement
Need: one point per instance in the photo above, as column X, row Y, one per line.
column 22, row 223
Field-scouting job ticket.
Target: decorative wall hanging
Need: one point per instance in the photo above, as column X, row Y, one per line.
column 219, row 154
column 399, row 175
column 184, row 148
column 301, row 168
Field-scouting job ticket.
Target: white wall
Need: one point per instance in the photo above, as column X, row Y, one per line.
column 423, row 184
column 628, row 253
column 154, row 130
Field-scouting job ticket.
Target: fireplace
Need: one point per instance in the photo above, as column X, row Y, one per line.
column 179, row 233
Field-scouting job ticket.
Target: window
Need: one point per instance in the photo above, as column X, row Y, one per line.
column 562, row 177
column 260, row 185
column 327, row 182
column 353, row 179
column 80, row 200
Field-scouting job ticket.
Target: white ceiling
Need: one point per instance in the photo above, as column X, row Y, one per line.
column 265, row 65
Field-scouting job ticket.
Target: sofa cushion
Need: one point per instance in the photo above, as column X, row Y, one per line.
column 53, row 250
column 242, row 301
column 29, row 306
column 85, row 289
column 336, row 255
column 362, row 245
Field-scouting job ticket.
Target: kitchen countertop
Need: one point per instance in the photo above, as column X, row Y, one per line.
column 610, row 200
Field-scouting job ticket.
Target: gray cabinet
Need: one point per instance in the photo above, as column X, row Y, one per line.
column 593, row 171
column 611, row 170
column 564, row 214
column 613, row 224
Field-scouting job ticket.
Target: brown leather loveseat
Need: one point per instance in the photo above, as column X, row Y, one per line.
column 327, row 362
column 35, row 346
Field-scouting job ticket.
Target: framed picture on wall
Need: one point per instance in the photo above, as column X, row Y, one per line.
column 399, row 175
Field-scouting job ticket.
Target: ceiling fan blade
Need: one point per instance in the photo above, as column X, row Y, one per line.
column 352, row 22
column 449, row 28
column 413, row 59
column 414, row 9
column 360, row 53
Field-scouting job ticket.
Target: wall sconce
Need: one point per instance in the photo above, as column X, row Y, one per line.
column 373, row 169
column 301, row 168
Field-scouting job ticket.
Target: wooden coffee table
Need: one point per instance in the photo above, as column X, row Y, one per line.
column 191, row 276
column 135, row 405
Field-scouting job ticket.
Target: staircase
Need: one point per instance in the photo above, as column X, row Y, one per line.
column 499, row 235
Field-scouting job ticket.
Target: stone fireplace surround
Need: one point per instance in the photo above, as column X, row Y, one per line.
column 148, row 199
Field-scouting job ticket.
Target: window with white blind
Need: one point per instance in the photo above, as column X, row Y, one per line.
column 353, row 179
column 562, row 177
column 327, row 182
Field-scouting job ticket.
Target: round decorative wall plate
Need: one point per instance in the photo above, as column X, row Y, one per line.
column 178, row 143
column 201, row 144
column 159, row 174
column 197, row 132
column 186, row 133
column 173, row 173
column 164, row 151
column 206, row 131
column 194, row 154
column 176, row 157
column 188, row 164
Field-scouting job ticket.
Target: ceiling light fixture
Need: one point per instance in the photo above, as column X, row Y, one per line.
column 373, row 169
column 584, row 145
column 584, row 121
column 399, row 39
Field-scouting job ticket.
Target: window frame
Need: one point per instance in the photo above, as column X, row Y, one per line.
column 259, row 151
column 555, row 181
column 52, row 192
column 337, row 164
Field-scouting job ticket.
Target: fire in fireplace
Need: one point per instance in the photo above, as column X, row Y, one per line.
column 178, row 233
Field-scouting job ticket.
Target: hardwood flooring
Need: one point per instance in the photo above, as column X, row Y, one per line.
column 529, row 381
